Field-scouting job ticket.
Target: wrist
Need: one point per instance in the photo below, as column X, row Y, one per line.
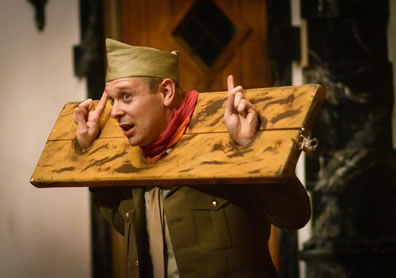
column 81, row 147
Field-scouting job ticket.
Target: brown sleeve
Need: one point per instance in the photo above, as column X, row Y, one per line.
column 288, row 204
column 107, row 200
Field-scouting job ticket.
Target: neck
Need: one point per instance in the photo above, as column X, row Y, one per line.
column 168, row 118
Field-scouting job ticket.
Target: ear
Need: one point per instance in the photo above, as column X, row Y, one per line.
column 168, row 91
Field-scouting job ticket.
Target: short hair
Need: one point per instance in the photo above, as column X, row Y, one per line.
column 154, row 82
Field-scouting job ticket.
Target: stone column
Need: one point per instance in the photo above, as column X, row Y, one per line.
column 352, row 175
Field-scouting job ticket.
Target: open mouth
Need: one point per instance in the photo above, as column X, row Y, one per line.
column 127, row 129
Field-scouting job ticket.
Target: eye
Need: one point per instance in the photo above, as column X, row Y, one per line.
column 111, row 100
column 126, row 97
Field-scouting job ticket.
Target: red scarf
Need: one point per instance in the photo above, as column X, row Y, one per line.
column 180, row 119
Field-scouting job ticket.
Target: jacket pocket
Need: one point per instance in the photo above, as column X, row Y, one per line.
column 219, row 222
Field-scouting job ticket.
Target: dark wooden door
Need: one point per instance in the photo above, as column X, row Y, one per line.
column 214, row 38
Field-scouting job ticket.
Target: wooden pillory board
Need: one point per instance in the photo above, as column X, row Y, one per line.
column 204, row 155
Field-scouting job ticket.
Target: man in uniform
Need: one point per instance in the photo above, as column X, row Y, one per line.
column 184, row 231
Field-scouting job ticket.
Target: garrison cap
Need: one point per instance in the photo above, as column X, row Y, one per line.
column 125, row 60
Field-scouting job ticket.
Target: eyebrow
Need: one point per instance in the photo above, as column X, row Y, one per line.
column 124, row 89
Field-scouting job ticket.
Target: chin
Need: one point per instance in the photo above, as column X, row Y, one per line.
column 133, row 142
column 140, row 141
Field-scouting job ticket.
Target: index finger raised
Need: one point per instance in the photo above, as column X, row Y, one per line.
column 102, row 103
column 230, row 82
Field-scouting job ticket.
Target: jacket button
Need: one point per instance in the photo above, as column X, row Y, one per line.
column 137, row 262
column 214, row 203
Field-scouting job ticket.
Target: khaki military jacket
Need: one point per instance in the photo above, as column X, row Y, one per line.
column 216, row 231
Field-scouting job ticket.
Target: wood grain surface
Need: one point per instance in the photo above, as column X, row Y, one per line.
column 205, row 154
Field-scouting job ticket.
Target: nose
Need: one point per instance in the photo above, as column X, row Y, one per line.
column 116, row 111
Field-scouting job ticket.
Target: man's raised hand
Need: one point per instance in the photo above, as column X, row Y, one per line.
column 87, row 117
column 240, row 115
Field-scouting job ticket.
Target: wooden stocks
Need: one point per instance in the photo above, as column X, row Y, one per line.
column 205, row 154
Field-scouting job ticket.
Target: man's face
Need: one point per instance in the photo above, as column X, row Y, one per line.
column 139, row 112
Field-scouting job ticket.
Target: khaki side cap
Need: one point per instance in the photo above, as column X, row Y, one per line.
column 124, row 60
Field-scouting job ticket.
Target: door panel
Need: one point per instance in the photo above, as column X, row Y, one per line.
column 152, row 23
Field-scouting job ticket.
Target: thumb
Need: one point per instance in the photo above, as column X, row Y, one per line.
column 80, row 120
column 253, row 117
